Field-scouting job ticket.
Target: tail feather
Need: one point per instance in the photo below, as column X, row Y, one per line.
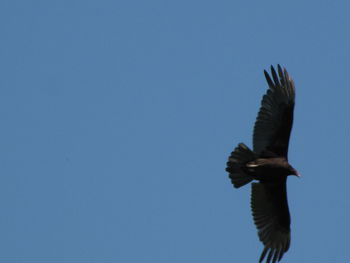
column 236, row 163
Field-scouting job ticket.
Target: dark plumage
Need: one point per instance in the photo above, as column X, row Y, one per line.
column 268, row 164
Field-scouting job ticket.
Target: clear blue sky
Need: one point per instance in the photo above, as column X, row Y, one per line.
column 117, row 118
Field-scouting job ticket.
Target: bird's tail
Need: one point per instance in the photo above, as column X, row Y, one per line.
column 236, row 165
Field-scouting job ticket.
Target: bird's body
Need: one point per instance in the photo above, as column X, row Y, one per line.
column 268, row 164
column 269, row 169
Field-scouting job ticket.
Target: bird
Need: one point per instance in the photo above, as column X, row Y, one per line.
column 267, row 166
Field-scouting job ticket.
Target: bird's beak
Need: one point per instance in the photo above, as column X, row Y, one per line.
column 297, row 174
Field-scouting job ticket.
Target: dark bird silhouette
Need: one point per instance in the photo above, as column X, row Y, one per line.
column 268, row 164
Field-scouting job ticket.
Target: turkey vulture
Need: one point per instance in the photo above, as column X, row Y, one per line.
column 268, row 165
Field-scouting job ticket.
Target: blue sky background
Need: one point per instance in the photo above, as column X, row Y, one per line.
column 117, row 118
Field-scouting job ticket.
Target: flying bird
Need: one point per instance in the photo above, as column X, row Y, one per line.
column 267, row 164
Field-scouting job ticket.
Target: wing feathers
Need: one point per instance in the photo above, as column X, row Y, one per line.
column 268, row 79
column 275, row 118
column 274, row 76
column 271, row 217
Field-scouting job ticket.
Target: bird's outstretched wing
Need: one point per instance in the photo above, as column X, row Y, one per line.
column 275, row 118
column 271, row 217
